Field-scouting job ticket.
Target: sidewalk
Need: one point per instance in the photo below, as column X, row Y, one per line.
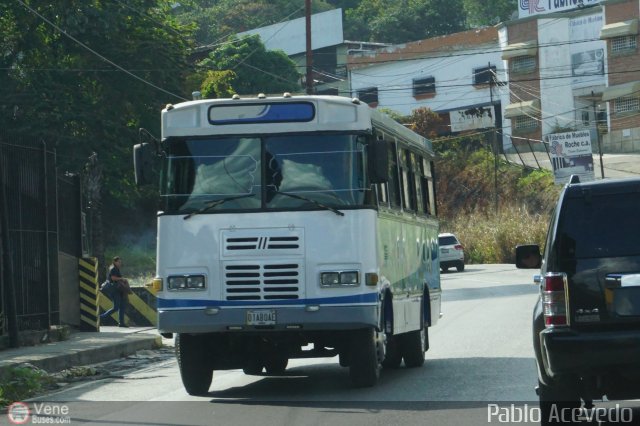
column 83, row 348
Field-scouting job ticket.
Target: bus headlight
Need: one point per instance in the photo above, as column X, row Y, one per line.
column 349, row 278
column 329, row 278
column 337, row 279
column 186, row 282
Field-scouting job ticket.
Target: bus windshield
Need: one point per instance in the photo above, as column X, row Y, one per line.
column 318, row 168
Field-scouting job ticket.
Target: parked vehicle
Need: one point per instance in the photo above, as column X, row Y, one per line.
column 451, row 252
column 586, row 323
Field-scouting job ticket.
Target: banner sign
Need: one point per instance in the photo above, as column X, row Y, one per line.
column 538, row 7
column 571, row 154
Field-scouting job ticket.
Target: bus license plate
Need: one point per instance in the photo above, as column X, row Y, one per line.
column 261, row 317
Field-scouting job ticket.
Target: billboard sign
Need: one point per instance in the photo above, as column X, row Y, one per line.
column 472, row 118
column 289, row 36
column 571, row 154
column 539, row 7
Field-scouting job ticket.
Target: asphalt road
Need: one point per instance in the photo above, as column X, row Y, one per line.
column 481, row 354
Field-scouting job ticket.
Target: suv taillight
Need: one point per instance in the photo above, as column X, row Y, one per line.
column 458, row 247
column 554, row 299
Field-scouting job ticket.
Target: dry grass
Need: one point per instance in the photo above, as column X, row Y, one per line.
column 466, row 194
column 490, row 238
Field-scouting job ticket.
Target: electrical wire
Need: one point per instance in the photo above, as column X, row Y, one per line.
column 75, row 40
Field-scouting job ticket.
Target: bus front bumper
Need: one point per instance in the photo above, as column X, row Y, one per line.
column 317, row 317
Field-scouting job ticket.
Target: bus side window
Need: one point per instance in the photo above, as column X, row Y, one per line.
column 393, row 186
column 429, row 190
column 417, row 184
column 424, row 185
column 381, row 191
column 408, row 182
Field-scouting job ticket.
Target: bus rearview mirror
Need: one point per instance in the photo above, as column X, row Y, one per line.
column 378, row 154
column 142, row 163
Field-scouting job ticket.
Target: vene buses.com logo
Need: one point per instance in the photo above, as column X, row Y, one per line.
column 18, row 413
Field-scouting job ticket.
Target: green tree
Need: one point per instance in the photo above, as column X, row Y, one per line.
column 394, row 21
column 218, row 84
column 482, row 13
column 84, row 76
column 216, row 21
column 256, row 70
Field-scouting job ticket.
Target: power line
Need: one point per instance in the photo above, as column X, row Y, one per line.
column 98, row 54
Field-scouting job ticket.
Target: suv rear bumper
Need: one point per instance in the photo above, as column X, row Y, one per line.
column 451, row 263
column 568, row 352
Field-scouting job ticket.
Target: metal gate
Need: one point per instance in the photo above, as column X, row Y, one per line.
column 35, row 229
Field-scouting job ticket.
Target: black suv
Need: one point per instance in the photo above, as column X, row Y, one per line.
column 586, row 324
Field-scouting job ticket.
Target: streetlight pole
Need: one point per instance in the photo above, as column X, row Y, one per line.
column 309, row 78
column 595, row 123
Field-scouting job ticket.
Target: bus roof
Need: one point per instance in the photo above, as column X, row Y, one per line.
column 270, row 115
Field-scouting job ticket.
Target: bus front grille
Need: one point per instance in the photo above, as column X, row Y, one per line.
column 262, row 281
column 271, row 242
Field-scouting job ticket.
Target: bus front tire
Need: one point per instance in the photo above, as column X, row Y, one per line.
column 414, row 345
column 364, row 367
column 195, row 368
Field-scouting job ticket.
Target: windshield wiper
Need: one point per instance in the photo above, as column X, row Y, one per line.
column 212, row 204
column 300, row 197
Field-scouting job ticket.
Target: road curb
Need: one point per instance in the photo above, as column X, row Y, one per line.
column 85, row 352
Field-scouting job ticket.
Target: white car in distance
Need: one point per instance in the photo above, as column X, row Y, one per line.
column 451, row 252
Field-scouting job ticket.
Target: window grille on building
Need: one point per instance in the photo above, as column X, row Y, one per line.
column 484, row 75
column 424, row 86
column 627, row 104
column 523, row 64
column 623, row 44
column 525, row 122
column 368, row 95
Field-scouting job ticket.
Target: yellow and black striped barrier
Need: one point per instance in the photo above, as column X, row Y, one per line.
column 88, row 274
column 140, row 311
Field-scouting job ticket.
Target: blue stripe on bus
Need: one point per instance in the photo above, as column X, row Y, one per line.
column 190, row 303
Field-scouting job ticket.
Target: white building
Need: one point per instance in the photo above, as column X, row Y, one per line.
column 456, row 75
column 330, row 49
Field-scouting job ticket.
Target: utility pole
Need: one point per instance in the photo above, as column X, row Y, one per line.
column 309, row 82
column 595, row 124
column 494, row 142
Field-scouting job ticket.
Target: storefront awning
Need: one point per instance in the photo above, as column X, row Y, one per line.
column 621, row 91
column 529, row 48
column 531, row 108
column 619, row 29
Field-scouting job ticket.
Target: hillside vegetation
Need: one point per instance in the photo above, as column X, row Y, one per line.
column 466, row 200
column 386, row 21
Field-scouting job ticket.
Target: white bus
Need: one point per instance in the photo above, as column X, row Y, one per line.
column 293, row 227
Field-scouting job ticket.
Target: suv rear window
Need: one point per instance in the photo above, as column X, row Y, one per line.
column 600, row 226
column 447, row 241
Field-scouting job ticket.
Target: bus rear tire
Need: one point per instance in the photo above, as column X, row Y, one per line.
column 253, row 367
column 393, row 355
column 414, row 345
column 195, row 368
column 276, row 364
column 364, row 367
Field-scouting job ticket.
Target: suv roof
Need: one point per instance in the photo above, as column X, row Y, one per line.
column 610, row 186
column 446, row 234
